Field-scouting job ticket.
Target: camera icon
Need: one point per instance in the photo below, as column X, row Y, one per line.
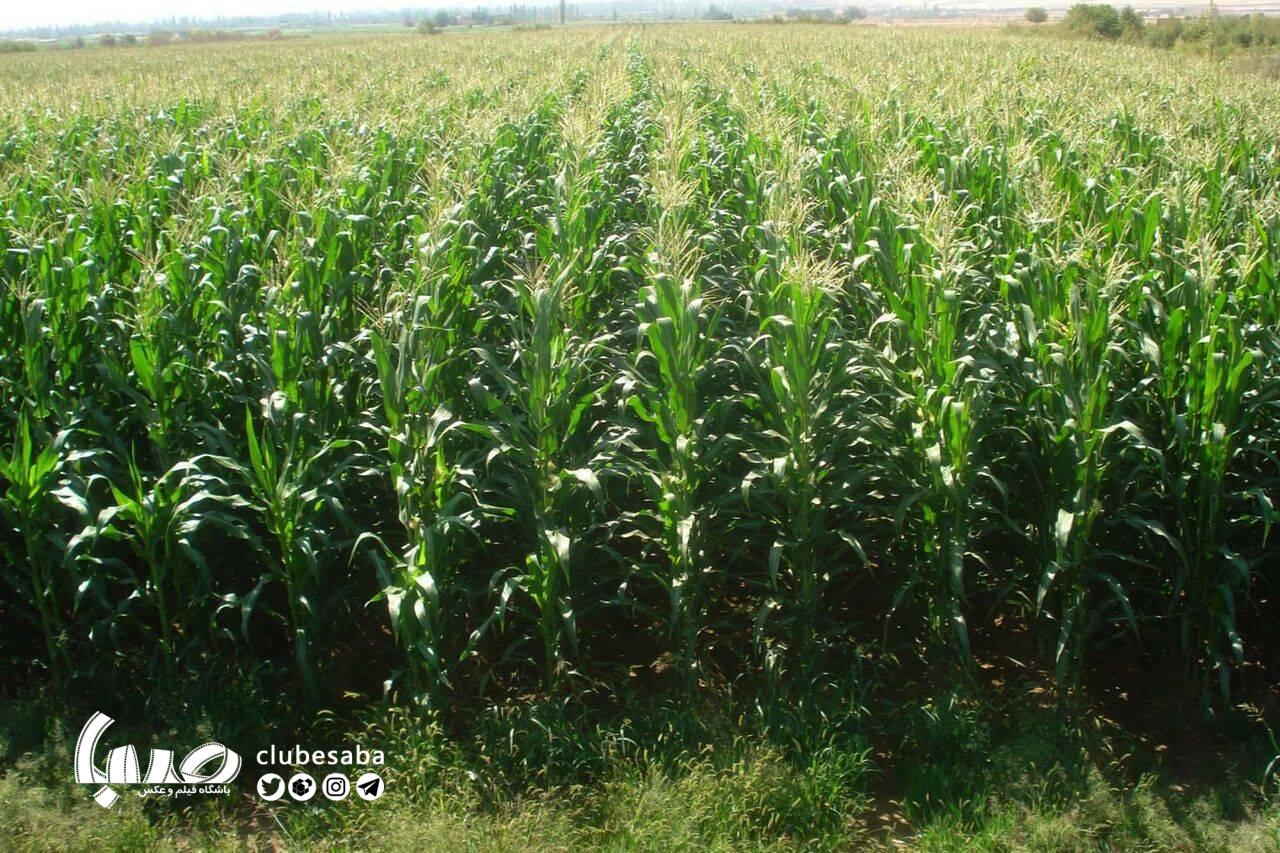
column 336, row 786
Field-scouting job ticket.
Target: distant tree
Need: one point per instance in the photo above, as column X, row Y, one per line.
column 481, row 17
column 160, row 38
column 128, row 40
column 1094, row 20
column 717, row 13
column 1131, row 24
column 408, row 22
column 853, row 13
column 1165, row 32
column 76, row 42
column 1037, row 15
column 106, row 40
column 427, row 27
column 445, row 19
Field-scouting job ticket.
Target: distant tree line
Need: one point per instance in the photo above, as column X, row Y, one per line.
column 411, row 17
column 162, row 38
column 1210, row 31
column 516, row 15
column 810, row 16
column 1098, row 20
column 1227, row 32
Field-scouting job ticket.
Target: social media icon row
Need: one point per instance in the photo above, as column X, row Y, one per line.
column 302, row 787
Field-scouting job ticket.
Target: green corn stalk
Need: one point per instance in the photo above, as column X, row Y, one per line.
column 421, row 586
column 668, row 388
column 295, row 488
column 1203, row 371
column 806, row 471
column 160, row 520
column 546, row 418
column 807, row 388
column 542, row 423
column 36, row 481
column 931, row 364
column 1067, row 316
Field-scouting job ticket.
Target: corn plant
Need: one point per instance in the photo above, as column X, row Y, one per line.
column 36, row 477
column 807, row 387
column 1194, row 340
column 539, row 424
column 931, row 335
column 1070, row 331
column 419, row 387
column 668, row 388
column 294, row 486
column 590, row 352
column 804, row 391
column 160, row 520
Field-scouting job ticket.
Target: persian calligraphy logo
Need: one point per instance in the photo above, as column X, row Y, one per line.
column 122, row 766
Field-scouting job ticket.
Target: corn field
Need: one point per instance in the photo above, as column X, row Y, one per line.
column 525, row 360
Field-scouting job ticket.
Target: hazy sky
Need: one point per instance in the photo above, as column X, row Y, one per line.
column 15, row 14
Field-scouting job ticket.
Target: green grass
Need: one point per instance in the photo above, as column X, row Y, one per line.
column 975, row 770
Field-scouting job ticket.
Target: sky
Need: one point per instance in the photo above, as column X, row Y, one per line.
column 16, row 14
